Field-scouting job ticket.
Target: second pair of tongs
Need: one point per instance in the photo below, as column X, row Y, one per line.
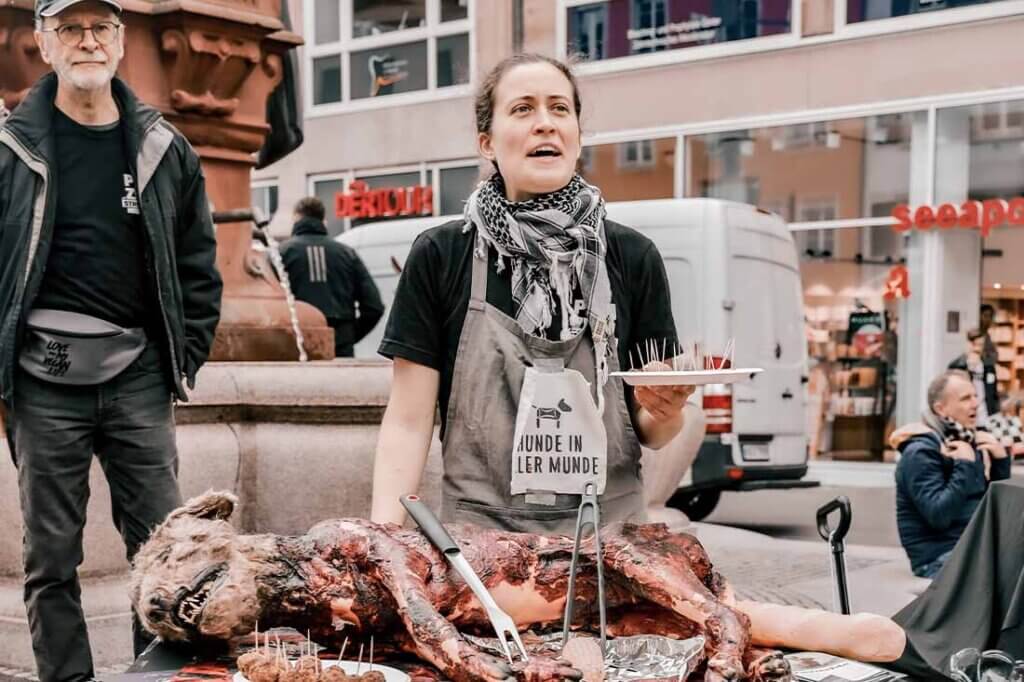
column 589, row 514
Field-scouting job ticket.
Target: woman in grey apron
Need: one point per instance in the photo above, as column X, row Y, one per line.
column 512, row 320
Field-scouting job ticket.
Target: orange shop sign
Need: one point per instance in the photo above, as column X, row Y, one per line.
column 383, row 202
column 983, row 215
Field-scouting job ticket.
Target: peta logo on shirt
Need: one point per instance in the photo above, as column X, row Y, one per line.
column 130, row 200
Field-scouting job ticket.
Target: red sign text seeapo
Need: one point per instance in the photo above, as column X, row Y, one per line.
column 385, row 202
column 983, row 215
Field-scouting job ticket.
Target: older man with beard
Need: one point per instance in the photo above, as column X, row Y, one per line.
column 109, row 296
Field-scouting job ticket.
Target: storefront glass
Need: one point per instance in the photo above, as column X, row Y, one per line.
column 389, row 70
column 394, row 180
column 850, row 278
column 981, row 157
column 810, row 172
column 621, row 28
column 629, row 171
column 868, row 10
column 328, row 25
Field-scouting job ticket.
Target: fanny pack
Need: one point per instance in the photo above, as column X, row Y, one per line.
column 70, row 348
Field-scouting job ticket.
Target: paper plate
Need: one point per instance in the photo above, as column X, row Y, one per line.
column 390, row 674
column 688, row 378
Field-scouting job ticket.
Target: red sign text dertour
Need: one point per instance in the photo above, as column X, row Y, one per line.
column 983, row 215
column 385, row 202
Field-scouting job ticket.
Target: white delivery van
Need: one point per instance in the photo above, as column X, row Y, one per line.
column 734, row 274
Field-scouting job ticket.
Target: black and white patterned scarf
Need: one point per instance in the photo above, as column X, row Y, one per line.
column 948, row 429
column 555, row 245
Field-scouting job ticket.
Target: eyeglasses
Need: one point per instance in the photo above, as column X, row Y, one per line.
column 104, row 32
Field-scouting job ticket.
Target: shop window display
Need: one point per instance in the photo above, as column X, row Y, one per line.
column 852, row 330
column 809, row 172
column 622, row 28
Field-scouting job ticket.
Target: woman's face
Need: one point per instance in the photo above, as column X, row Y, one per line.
column 535, row 134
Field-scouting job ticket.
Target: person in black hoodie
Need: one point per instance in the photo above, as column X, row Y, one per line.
column 330, row 276
column 109, row 297
column 944, row 470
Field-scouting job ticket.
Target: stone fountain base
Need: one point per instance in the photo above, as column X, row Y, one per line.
column 294, row 441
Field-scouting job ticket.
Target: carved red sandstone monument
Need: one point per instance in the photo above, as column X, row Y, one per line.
column 208, row 66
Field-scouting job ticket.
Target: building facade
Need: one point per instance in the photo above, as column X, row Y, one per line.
column 834, row 114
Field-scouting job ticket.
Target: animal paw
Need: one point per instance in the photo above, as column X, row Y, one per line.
column 771, row 667
column 539, row 669
column 723, row 668
column 477, row 666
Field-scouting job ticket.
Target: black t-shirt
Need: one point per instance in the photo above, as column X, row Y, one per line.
column 433, row 296
column 96, row 265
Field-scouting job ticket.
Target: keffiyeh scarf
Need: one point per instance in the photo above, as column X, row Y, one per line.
column 554, row 243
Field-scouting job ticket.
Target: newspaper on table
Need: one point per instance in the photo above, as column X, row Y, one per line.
column 812, row 666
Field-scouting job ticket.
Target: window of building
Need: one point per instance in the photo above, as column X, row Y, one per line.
column 364, row 49
column 456, row 185
column 636, row 154
column 980, row 152
column 326, row 190
column 810, row 172
column 264, row 198
column 638, row 169
column 869, row 10
column 587, row 31
column 622, row 28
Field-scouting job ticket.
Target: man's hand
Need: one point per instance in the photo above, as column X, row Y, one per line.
column 989, row 443
column 959, row 449
column 662, row 402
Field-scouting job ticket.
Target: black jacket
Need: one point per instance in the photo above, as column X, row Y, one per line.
column 182, row 249
column 991, row 396
column 330, row 276
column 936, row 495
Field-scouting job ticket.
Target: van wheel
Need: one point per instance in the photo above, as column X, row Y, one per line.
column 696, row 504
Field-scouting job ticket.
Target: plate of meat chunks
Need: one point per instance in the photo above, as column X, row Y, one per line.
column 272, row 664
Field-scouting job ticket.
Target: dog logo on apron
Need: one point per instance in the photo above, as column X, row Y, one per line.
column 560, row 442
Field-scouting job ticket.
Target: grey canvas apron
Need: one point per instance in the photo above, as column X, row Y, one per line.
column 493, row 356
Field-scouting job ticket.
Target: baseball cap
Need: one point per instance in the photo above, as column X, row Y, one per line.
column 49, row 8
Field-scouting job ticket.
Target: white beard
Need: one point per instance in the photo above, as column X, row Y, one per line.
column 87, row 78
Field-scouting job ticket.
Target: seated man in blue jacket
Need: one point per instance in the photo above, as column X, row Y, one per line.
column 944, row 470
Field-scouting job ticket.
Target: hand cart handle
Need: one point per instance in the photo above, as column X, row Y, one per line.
column 837, row 534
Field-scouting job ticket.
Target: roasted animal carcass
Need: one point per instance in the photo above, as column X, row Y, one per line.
column 197, row 578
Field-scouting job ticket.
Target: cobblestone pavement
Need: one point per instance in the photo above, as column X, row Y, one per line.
column 763, row 576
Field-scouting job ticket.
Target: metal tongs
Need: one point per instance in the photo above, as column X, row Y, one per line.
column 588, row 505
column 503, row 624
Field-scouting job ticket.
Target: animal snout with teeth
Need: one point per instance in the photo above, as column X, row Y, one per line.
column 189, row 601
